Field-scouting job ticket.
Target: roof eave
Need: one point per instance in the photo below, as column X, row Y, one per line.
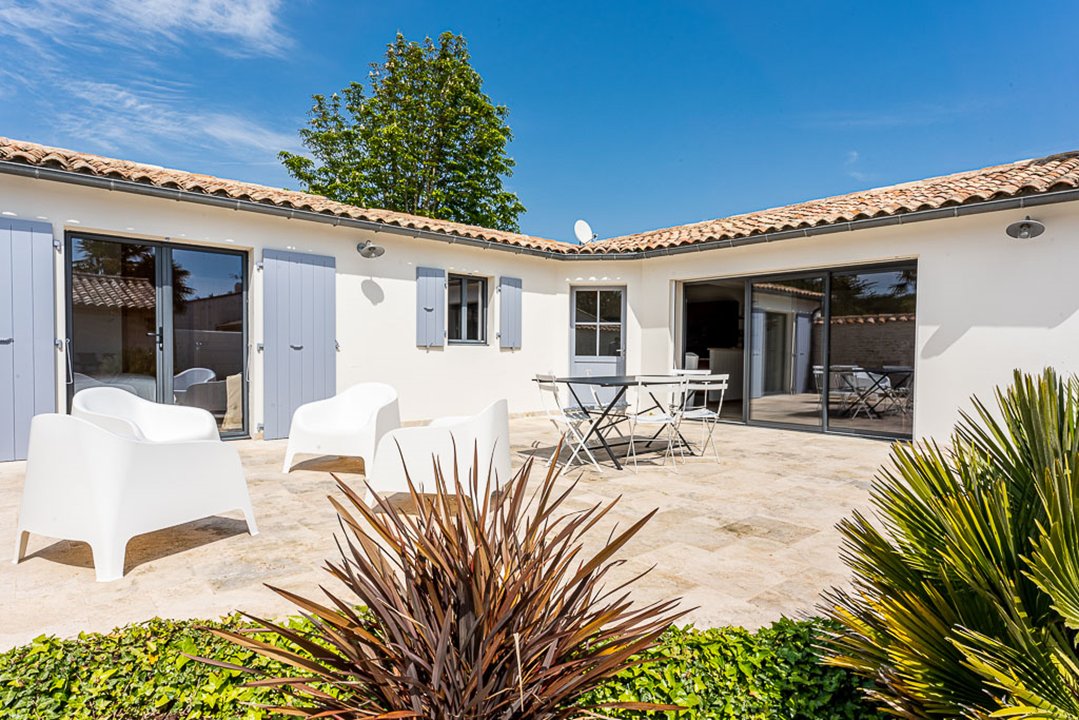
column 96, row 181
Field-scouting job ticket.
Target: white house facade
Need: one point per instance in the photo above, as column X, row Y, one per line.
column 248, row 301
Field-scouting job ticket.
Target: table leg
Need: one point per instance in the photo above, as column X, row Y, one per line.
column 594, row 429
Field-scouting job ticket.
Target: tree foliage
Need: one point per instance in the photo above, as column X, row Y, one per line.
column 423, row 138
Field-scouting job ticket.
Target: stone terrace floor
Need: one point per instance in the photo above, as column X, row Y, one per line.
column 744, row 540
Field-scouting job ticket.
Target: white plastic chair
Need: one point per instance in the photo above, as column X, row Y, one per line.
column 709, row 418
column 485, row 436
column 665, row 420
column 133, row 417
column 567, row 422
column 192, row 376
column 86, row 483
column 350, row 424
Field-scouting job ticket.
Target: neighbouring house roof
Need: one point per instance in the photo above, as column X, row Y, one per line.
column 878, row 319
column 28, row 153
column 787, row 290
column 112, row 291
column 1017, row 180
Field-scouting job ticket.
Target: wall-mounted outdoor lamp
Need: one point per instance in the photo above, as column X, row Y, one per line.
column 1025, row 229
column 368, row 249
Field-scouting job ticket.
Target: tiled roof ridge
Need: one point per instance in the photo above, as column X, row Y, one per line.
column 38, row 155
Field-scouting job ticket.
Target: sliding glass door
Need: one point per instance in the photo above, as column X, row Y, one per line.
column 786, row 351
column 166, row 323
column 832, row 350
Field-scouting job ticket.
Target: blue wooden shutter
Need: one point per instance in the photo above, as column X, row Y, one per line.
column 430, row 307
column 27, row 333
column 299, row 335
column 509, row 313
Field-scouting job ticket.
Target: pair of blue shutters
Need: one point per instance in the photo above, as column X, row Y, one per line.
column 27, row 332
column 431, row 309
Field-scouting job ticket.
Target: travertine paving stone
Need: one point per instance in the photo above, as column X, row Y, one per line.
column 744, row 540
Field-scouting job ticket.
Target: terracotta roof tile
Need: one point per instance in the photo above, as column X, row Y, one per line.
column 112, row 291
column 1026, row 177
column 41, row 155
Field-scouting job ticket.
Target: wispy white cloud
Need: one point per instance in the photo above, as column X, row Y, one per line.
column 249, row 27
column 851, row 166
column 917, row 115
column 97, row 75
column 150, row 118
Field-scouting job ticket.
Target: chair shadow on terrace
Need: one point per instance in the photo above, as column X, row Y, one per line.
column 148, row 547
column 649, row 450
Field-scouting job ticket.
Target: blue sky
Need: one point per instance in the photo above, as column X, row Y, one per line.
column 632, row 115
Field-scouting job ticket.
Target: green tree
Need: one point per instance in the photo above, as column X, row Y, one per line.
column 422, row 139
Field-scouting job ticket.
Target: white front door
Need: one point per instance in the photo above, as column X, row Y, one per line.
column 597, row 335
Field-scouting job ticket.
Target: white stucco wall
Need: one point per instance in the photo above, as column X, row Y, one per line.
column 987, row 303
column 376, row 298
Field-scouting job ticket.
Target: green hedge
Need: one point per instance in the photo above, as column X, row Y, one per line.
column 733, row 673
column 140, row 672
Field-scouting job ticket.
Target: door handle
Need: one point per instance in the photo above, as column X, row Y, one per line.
column 296, row 347
column 7, row 340
column 158, row 336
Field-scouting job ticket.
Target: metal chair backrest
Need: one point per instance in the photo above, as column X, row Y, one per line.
column 548, row 390
column 704, row 385
column 648, row 387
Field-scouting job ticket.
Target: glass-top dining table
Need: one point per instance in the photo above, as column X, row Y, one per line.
column 605, row 418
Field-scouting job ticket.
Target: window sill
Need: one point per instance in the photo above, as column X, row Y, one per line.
column 466, row 342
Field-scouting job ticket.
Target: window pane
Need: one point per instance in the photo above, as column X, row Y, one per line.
column 454, row 328
column 114, row 315
column 610, row 306
column 786, row 352
column 208, row 340
column 474, row 302
column 586, row 306
column 585, row 341
column 610, row 340
column 872, row 349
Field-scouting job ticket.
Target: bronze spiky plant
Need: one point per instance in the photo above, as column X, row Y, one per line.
column 480, row 609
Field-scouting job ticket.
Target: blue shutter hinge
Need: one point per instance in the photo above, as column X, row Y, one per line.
column 258, row 347
column 258, row 265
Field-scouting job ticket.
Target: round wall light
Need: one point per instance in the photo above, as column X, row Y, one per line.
column 1025, row 229
column 368, row 249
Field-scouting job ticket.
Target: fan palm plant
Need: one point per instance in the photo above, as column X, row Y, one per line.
column 477, row 607
column 965, row 598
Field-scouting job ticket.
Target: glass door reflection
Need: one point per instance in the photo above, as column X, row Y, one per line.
column 115, row 338
column 786, row 365
column 208, row 347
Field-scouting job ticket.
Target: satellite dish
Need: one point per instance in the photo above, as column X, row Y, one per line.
column 583, row 231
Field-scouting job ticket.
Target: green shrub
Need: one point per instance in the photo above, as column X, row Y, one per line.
column 140, row 672
column 732, row 673
column 966, row 586
column 135, row 672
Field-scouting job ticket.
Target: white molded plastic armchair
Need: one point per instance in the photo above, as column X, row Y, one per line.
column 86, row 483
column 182, row 381
column 133, row 417
column 349, row 424
column 485, row 436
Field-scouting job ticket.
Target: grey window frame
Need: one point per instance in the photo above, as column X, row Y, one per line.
column 484, row 308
